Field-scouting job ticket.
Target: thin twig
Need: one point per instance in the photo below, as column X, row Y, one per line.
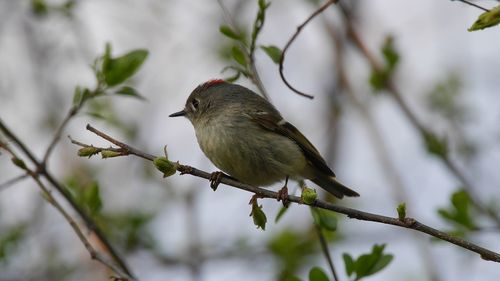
column 381, row 149
column 409, row 223
column 89, row 222
column 12, row 181
column 254, row 77
column 290, row 41
column 474, row 5
column 412, row 117
column 326, row 252
column 47, row 195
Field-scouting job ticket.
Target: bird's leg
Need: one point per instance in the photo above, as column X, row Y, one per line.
column 283, row 194
column 216, row 177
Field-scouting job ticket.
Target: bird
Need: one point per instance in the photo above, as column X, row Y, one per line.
column 247, row 138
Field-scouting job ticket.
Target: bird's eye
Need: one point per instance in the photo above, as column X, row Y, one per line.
column 195, row 103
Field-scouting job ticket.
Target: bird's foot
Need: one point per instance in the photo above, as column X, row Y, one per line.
column 215, row 179
column 283, row 196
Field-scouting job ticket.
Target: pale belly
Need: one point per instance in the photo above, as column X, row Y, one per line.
column 256, row 156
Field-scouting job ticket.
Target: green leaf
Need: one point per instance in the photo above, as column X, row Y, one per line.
column 435, row 145
column 239, row 56
column 308, row 195
column 280, row 214
column 324, row 219
column 165, row 166
column 117, row 70
column 367, row 264
column 92, row 198
column 317, row 274
column 10, row 238
column 401, row 211
column 380, row 77
column 19, row 163
column 129, row 91
column 487, row 19
column 259, row 217
column 110, row 154
column 349, row 264
column 39, row 7
column 459, row 212
column 88, row 151
column 229, row 32
column 391, row 56
column 273, row 52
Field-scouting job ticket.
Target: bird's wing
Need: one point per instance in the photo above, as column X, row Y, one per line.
column 278, row 125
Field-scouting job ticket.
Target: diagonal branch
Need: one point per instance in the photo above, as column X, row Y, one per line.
column 409, row 223
column 89, row 222
column 290, row 41
column 413, row 119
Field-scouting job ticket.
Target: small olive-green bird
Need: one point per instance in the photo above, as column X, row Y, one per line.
column 246, row 137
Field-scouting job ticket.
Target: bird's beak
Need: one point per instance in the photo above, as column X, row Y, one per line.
column 180, row 113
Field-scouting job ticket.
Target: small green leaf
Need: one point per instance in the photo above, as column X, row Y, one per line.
column 349, row 264
column 92, row 198
column 324, row 219
column 401, row 211
column 280, row 214
column 239, row 56
column 391, row 56
column 435, row 145
column 367, row 264
column 308, row 195
column 273, row 52
column 39, row 7
column 165, row 166
column 259, row 217
column 317, row 274
column 129, row 91
column 110, row 154
column 460, row 211
column 487, row 19
column 229, row 32
column 19, row 163
column 117, row 70
column 88, row 151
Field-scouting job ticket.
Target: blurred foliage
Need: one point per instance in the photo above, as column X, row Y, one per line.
column 380, row 77
column 10, row 238
column 317, row 274
column 460, row 213
column 242, row 51
column 445, row 99
column 487, row 19
column 292, row 249
column 129, row 230
column 436, row 145
column 86, row 195
column 41, row 8
column 367, row 264
column 326, row 220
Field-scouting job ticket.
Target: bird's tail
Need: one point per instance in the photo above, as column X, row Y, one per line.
column 334, row 187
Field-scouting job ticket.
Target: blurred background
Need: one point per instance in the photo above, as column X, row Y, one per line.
column 178, row 228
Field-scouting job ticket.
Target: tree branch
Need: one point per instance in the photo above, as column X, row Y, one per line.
column 47, row 195
column 89, row 222
column 409, row 223
column 290, row 41
column 413, row 119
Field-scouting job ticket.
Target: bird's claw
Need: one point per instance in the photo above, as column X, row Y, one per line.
column 215, row 179
column 283, row 196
